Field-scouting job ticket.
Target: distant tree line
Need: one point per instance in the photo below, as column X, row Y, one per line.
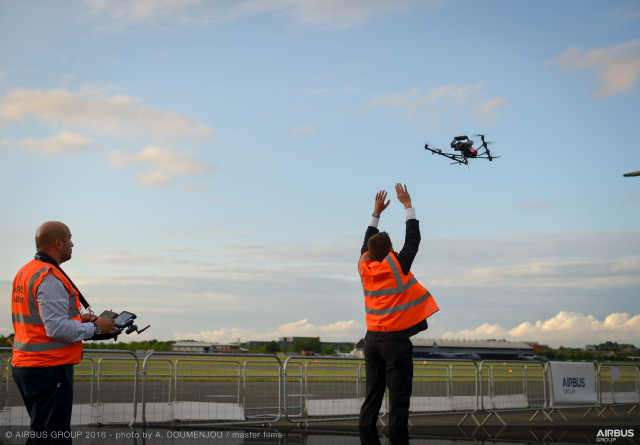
column 131, row 346
column 7, row 341
column 610, row 351
column 310, row 344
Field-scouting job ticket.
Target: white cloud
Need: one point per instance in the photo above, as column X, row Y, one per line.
column 120, row 116
column 334, row 13
column 565, row 328
column 448, row 98
column 162, row 165
column 405, row 101
column 64, row 143
column 487, row 109
column 617, row 68
column 578, row 273
column 338, row 331
column 116, row 116
column 627, row 13
column 119, row 15
column 561, row 261
column 528, row 276
column 537, row 262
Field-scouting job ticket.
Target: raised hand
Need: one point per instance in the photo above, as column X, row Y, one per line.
column 403, row 195
column 380, row 204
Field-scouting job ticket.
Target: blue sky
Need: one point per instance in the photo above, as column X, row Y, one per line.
column 217, row 161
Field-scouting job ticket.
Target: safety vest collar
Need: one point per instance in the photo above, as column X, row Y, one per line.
column 33, row 318
column 393, row 265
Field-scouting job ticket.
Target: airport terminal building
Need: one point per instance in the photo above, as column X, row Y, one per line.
column 208, row 347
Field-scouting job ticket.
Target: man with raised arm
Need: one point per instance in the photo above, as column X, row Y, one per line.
column 396, row 307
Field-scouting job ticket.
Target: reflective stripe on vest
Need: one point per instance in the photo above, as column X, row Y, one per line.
column 392, row 304
column 397, row 308
column 40, row 347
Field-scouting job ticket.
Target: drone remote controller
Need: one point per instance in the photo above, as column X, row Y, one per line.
column 124, row 322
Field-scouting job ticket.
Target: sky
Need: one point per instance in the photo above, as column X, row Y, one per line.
column 217, row 161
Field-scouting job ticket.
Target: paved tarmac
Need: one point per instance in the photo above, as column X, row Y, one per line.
column 568, row 425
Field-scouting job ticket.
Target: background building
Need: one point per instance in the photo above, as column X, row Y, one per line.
column 208, row 347
column 472, row 349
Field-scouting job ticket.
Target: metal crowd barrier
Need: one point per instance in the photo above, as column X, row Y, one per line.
column 618, row 385
column 116, row 387
column 444, row 387
column 510, row 386
column 90, row 399
column 322, row 388
column 210, row 389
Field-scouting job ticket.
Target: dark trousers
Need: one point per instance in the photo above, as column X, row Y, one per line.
column 47, row 393
column 388, row 364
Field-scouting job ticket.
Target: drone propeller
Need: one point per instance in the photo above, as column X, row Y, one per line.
column 482, row 136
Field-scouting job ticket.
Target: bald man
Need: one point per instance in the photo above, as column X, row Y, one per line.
column 49, row 330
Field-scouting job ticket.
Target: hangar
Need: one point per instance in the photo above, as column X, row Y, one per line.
column 472, row 349
column 208, row 347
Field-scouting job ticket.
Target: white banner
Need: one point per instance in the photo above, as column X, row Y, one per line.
column 572, row 384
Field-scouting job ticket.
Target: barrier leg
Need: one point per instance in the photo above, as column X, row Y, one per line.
column 466, row 416
column 543, row 412
column 604, row 409
column 493, row 413
column 549, row 415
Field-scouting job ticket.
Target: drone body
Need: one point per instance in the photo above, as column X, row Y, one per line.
column 467, row 151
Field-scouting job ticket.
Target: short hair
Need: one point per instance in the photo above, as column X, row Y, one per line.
column 379, row 245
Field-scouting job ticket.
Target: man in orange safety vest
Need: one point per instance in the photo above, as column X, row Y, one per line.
column 49, row 329
column 396, row 307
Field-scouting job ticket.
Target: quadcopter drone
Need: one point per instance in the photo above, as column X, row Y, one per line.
column 465, row 146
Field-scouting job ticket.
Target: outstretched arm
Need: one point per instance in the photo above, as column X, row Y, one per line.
column 412, row 235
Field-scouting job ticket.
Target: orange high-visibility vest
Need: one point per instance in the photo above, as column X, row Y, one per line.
column 393, row 300
column 31, row 345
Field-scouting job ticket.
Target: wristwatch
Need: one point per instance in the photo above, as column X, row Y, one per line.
column 375, row 215
column 96, row 329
